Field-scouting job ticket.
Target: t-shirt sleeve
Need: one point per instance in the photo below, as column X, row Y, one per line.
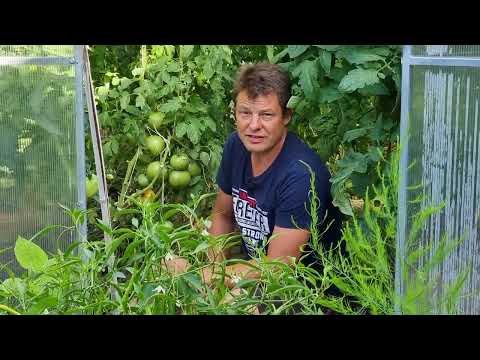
column 224, row 174
column 294, row 195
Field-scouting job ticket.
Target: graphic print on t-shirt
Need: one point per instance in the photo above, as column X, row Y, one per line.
column 251, row 219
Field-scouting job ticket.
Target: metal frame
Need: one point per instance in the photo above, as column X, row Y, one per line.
column 439, row 60
column 36, row 60
column 402, row 191
column 80, row 138
column 78, row 63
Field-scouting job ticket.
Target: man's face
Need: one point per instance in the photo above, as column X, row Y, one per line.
column 261, row 123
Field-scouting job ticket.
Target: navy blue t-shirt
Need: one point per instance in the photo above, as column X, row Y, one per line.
column 280, row 195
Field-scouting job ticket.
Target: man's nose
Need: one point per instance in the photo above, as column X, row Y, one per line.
column 255, row 122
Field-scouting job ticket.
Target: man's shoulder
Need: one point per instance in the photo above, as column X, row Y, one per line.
column 233, row 141
column 302, row 158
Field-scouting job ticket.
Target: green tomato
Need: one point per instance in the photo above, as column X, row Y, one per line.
column 155, row 119
column 179, row 162
column 156, row 168
column 155, row 144
column 142, row 180
column 179, row 179
column 92, row 186
column 194, row 169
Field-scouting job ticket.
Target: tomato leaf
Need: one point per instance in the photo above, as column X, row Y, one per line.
column 193, row 132
column 358, row 78
column 171, row 105
column 328, row 47
column 204, row 158
column 326, row 61
column 180, row 130
column 356, row 55
column 329, row 94
column 308, row 78
column 296, row 50
column 355, row 133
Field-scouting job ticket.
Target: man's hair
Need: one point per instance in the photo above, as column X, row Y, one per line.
column 263, row 79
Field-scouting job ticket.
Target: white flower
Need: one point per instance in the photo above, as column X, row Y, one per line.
column 159, row 289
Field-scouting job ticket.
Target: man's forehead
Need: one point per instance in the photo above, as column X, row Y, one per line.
column 246, row 99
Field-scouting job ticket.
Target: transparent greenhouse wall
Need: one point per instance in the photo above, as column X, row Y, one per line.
column 443, row 155
column 38, row 147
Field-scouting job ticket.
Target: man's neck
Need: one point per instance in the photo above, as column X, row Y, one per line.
column 262, row 161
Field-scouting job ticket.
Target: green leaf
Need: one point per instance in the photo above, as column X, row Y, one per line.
column 124, row 83
column 354, row 161
column 186, row 51
column 193, row 132
column 208, row 121
column 44, row 302
column 326, row 61
column 270, row 52
column 358, row 78
column 140, row 101
column 329, row 94
column 30, row 256
column 296, row 50
column 14, row 286
column 200, row 247
column 279, row 56
column 138, row 71
column 204, row 158
column 124, row 101
column 293, row 102
column 355, row 133
column 374, row 153
column 328, row 47
column 308, row 78
column 180, row 130
column 171, row 105
column 337, row 74
column 196, row 104
column 376, row 89
column 173, row 67
column 355, row 55
column 342, row 201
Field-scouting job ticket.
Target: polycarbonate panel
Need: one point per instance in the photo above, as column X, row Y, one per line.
column 446, row 50
column 443, row 151
column 38, row 157
column 36, row 50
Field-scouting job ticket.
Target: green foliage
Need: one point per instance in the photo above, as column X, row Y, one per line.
column 365, row 274
column 346, row 106
column 189, row 85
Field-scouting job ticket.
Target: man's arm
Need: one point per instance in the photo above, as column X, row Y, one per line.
column 285, row 245
column 222, row 222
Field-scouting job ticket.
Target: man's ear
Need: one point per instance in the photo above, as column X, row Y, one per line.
column 287, row 116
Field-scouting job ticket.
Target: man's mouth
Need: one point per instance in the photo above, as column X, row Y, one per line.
column 255, row 138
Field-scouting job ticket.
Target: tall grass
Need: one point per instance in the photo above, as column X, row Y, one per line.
column 80, row 280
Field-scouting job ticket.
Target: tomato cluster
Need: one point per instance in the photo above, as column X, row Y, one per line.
column 177, row 171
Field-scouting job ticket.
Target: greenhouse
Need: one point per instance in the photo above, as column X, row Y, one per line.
column 239, row 180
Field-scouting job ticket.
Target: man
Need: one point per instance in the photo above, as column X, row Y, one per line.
column 264, row 186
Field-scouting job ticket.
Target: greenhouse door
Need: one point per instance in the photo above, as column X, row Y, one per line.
column 42, row 155
column 439, row 192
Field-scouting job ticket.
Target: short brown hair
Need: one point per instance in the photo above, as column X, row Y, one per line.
column 263, row 79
